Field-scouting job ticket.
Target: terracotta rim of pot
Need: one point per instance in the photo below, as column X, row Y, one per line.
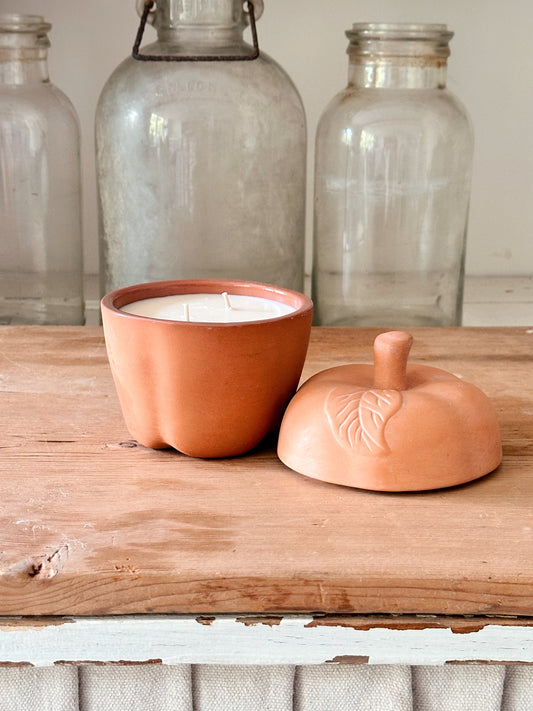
column 116, row 299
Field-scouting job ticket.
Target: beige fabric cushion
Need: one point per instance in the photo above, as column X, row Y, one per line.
column 139, row 687
column 477, row 687
column 39, row 688
column 353, row 688
column 327, row 687
column 253, row 688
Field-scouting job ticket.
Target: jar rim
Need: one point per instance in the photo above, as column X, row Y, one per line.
column 17, row 22
column 400, row 31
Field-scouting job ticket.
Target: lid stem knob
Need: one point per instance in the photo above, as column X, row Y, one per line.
column 391, row 351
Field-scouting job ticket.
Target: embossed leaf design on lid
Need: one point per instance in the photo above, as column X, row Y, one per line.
column 358, row 419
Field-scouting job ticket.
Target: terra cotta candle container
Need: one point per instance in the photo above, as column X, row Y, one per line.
column 206, row 389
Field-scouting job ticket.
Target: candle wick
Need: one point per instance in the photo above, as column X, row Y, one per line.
column 227, row 303
column 186, row 312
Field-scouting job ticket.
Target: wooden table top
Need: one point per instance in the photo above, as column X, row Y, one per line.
column 92, row 523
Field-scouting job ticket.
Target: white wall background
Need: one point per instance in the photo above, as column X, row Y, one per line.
column 491, row 70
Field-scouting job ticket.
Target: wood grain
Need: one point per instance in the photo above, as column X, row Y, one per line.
column 91, row 523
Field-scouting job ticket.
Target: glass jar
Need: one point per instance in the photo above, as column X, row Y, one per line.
column 392, row 185
column 40, row 194
column 201, row 156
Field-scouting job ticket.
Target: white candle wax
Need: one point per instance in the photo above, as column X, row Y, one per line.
column 209, row 308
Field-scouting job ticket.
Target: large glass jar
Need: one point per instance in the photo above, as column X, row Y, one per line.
column 40, row 195
column 201, row 161
column 392, row 185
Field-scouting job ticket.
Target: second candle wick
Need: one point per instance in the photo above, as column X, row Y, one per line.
column 227, row 303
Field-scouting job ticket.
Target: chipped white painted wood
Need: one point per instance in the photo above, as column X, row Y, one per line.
column 297, row 639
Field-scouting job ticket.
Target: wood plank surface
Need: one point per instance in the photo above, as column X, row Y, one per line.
column 93, row 524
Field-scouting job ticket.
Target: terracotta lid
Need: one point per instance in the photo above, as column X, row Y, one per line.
column 390, row 426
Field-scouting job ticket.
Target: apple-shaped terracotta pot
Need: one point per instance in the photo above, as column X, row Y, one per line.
column 206, row 389
column 390, row 427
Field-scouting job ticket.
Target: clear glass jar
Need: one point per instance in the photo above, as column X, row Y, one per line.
column 201, row 163
column 40, row 194
column 392, row 185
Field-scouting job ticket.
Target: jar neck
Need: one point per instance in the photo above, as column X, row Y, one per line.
column 23, row 49
column 387, row 74
column 197, row 25
column 398, row 56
